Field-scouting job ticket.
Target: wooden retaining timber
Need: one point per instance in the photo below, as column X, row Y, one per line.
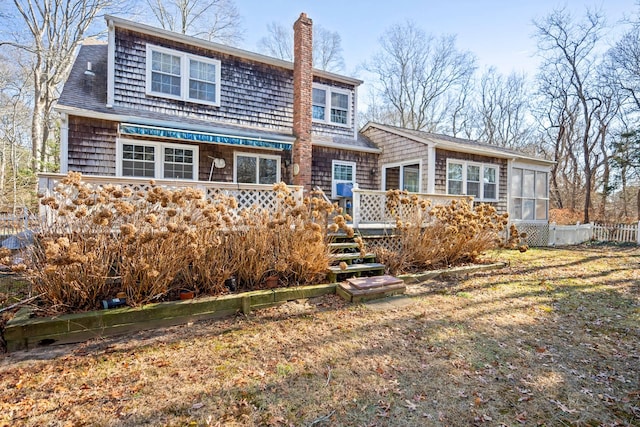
column 24, row 332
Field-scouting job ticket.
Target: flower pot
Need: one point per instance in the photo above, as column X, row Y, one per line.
column 271, row 282
column 186, row 294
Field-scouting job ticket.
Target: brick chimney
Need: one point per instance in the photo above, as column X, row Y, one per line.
column 302, row 98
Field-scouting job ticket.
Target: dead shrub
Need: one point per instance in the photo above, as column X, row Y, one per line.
column 152, row 242
column 440, row 236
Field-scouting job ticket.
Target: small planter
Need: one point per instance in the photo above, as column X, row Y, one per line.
column 185, row 294
column 271, row 282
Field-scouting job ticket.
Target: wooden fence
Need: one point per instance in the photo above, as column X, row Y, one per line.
column 621, row 233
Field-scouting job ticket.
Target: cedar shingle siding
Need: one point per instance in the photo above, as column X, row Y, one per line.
column 252, row 93
column 322, row 160
column 396, row 149
column 441, row 173
column 92, row 146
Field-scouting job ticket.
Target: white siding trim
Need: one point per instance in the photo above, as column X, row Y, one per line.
column 431, row 169
column 111, row 67
column 64, row 143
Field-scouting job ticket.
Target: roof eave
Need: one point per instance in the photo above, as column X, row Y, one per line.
column 460, row 148
column 241, row 53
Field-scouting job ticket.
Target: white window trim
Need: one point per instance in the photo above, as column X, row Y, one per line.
column 159, row 160
column 258, row 157
column 327, row 109
column 184, row 75
column 335, row 182
column 401, row 178
column 535, row 169
column 482, row 166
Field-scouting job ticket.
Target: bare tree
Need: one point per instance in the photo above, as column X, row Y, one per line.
column 213, row 20
column 327, row 46
column 15, row 118
column 49, row 31
column 568, row 48
column 503, row 108
column 419, row 74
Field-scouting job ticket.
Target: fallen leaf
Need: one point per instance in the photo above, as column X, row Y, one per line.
column 410, row 405
column 197, row 405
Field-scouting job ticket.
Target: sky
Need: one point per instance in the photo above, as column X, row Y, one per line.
column 498, row 32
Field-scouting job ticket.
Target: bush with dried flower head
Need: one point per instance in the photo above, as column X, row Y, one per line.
column 152, row 242
column 442, row 235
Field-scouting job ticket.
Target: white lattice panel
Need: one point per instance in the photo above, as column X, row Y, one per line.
column 537, row 234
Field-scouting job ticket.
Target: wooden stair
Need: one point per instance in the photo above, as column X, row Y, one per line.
column 363, row 278
column 368, row 288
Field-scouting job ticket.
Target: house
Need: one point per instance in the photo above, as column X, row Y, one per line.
column 151, row 103
column 429, row 163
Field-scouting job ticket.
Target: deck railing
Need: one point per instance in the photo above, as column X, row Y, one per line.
column 247, row 195
column 370, row 206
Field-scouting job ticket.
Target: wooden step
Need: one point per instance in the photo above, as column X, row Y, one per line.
column 350, row 256
column 350, row 293
column 355, row 269
column 342, row 246
column 374, row 282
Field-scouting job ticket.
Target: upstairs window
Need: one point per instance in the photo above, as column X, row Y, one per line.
column 472, row 179
column 331, row 105
column 182, row 76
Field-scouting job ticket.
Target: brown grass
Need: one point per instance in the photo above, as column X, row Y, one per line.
column 554, row 339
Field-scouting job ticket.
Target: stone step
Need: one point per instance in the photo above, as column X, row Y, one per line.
column 364, row 283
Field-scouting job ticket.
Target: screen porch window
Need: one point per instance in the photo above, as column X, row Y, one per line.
column 182, row 76
column 257, row 169
column 529, row 194
column 331, row 105
column 472, row 179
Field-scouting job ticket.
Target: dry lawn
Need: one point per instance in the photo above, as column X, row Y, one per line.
column 554, row 339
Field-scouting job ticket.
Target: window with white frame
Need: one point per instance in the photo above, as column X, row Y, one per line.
column 472, row 179
column 157, row 160
column 331, row 105
column 529, row 194
column 403, row 176
column 256, row 168
column 342, row 173
column 179, row 75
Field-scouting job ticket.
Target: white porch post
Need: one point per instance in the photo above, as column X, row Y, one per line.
column 552, row 234
column 638, row 234
column 356, row 206
column 431, row 169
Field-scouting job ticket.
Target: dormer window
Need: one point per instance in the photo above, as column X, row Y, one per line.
column 331, row 105
column 178, row 75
